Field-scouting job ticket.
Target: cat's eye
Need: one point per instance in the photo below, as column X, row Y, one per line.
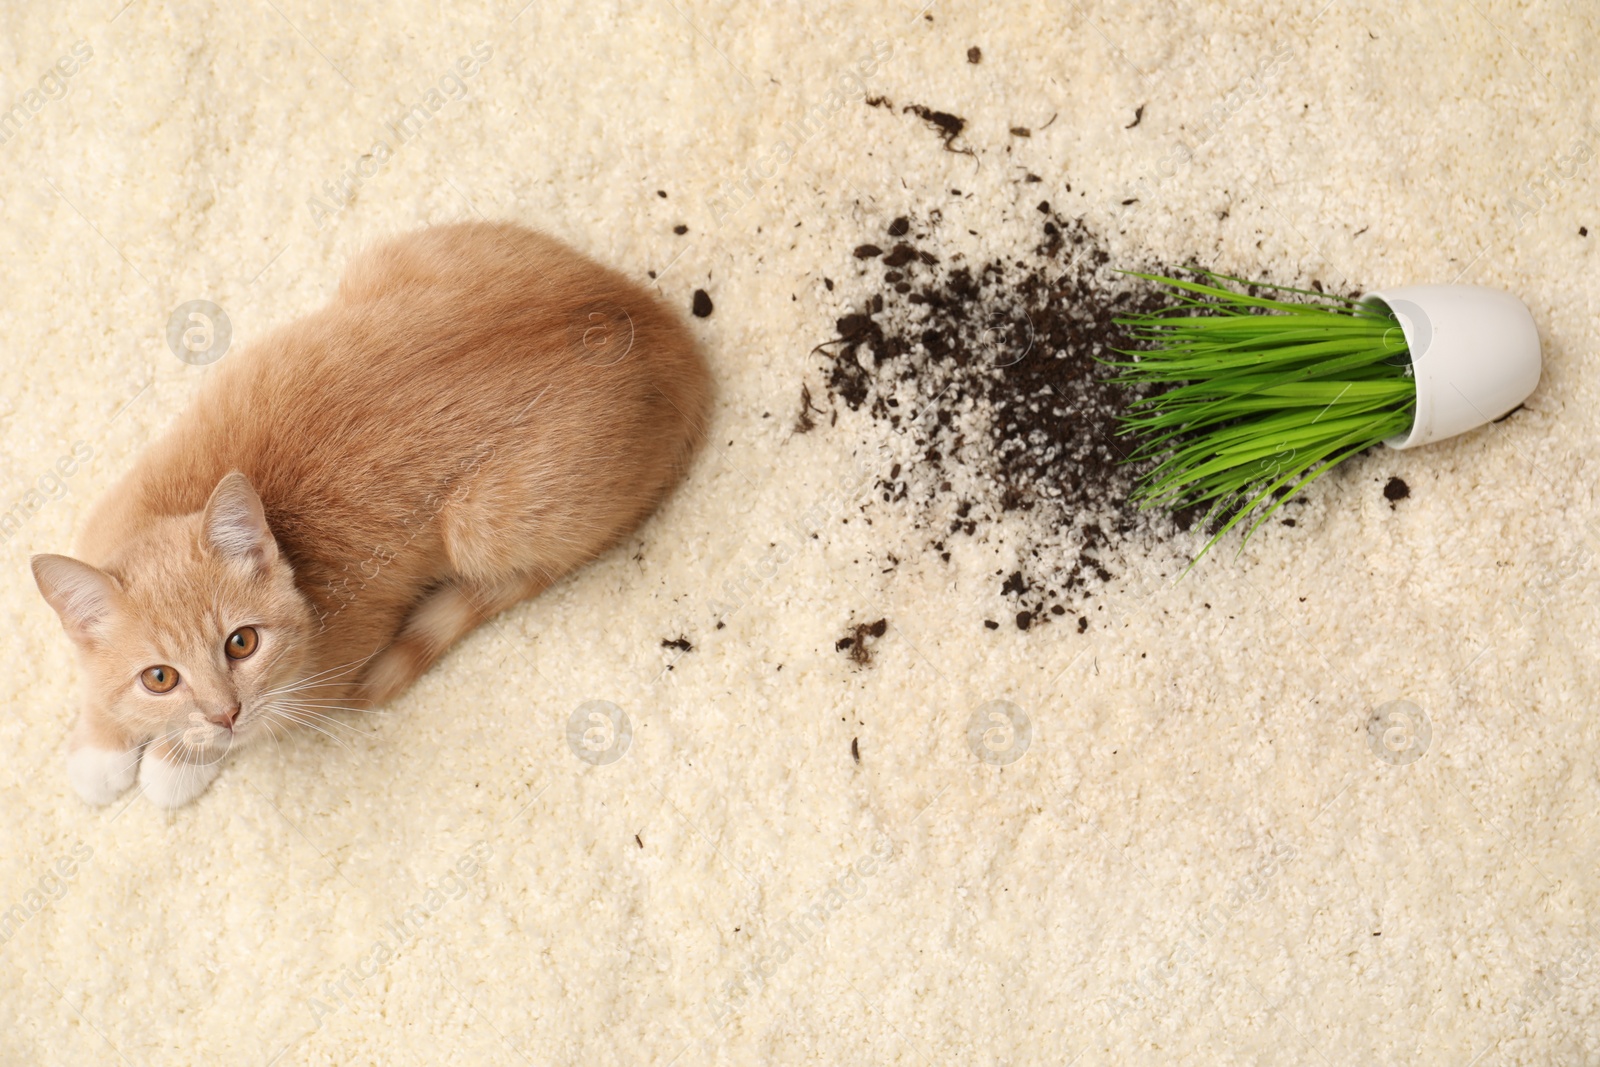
column 242, row 643
column 159, row 679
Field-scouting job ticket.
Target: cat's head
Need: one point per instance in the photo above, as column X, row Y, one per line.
column 192, row 631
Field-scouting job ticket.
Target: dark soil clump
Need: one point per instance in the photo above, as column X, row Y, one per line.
column 946, row 125
column 855, row 642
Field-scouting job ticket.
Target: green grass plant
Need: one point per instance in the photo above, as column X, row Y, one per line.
column 1252, row 398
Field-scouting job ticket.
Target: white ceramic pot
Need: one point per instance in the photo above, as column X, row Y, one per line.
column 1474, row 352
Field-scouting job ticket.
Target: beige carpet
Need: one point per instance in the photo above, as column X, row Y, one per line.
column 1199, row 858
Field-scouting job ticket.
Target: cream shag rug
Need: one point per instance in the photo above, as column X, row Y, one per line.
column 1199, row 857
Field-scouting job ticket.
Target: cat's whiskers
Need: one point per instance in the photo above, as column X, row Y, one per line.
column 290, row 719
column 317, row 710
column 358, row 661
column 153, row 742
column 289, row 714
column 308, row 716
column 322, row 678
column 311, row 692
column 307, row 685
column 189, row 754
column 188, row 758
column 272, row 729
column 190, row 764
column 330, row 704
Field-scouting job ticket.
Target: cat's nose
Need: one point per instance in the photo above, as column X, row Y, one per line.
column 225, row 718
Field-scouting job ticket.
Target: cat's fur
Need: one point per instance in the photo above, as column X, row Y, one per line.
column 479, row 410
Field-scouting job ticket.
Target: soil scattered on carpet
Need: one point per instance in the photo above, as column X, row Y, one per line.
column 803, row 422
column 701, row 305
column 988, row 374
column 681, row 643
column 1396, row 490
column 946, row 125
column 857, row 641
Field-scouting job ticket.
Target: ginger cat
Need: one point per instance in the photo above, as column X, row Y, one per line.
column 478, row 411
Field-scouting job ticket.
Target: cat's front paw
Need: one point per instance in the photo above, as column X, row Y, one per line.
column 172, row 785
column 100, row 775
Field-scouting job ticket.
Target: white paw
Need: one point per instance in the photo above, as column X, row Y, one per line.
column 172, row 785
column 100, row 775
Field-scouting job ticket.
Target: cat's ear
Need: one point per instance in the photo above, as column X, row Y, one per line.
column 236, row 526
column 82, row 595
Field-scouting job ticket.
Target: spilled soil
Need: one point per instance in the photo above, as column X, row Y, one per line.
column 857, row 642
column 988, row 374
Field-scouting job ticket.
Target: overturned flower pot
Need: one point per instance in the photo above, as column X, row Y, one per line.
column 1248, row 398
column 1474, row 355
